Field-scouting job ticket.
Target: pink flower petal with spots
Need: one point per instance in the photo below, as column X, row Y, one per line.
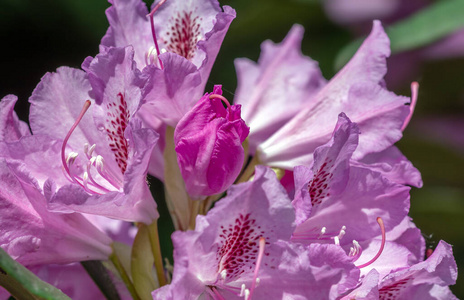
column 342, row 200
column 274, row 90
column 424, row 280
column 194, row 30
column 357, row 90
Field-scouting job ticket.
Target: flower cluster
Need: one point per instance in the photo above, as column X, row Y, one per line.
column 295, row 191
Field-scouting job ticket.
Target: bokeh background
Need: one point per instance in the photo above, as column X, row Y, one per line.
column 39, row 36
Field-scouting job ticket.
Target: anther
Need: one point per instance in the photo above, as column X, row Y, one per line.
column 85, row 179
column 71, row 158
column 222, row 98
column 382, row 229
column 323, row 230
column 355, row 251
column 223, row 274
column 242, row 291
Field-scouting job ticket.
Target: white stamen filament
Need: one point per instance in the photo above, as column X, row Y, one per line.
column 246, row 294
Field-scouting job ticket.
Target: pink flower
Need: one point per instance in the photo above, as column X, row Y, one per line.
column 208, row 142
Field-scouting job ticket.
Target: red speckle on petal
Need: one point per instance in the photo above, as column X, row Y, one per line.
column 318, row 187
column 239, row 250
column 116, row 123
column 393, row 291
column 184, row 35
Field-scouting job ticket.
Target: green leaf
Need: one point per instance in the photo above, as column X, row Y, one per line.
column 423, row 28
column 142, row 264
column 23, row 284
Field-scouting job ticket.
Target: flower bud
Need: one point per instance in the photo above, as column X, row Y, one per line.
column 208, row 142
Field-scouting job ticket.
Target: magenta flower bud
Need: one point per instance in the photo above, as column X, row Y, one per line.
column 208, row 142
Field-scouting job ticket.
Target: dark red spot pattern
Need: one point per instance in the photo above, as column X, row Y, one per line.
column 183, row 35
column 318, row 187
column 393, row 291
column 239, row 246
column 117, row 118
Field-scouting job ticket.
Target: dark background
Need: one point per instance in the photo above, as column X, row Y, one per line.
column 39, row 36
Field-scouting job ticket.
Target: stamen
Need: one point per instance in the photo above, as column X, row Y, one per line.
column 222, row 98
column 247, row 294
column 262, row 243
column 323, row 230
column 85, row 179
column 355, row 251
column 63, row 147
column 89, row 164
column 71, row 158
column 412, row 105
column 106, row 172
column 216, row 293
column 152, row 24
column 382, row 228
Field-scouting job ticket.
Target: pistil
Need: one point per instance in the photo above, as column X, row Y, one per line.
column 222, row 98
column 382, row 228
column 63, row 147
column 153, row 32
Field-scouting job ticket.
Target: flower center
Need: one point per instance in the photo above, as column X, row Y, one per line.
column 94, row 167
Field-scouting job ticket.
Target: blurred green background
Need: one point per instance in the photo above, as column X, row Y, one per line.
column 39, row 36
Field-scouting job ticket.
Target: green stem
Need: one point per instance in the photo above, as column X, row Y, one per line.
column 250, row 169
column 127, row 281
column 194, row 213
column 156, row 249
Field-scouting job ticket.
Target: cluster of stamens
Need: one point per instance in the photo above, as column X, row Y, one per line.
column 321, row 235
column 243, row 291
column 151, row 56
column 355, row 251
column 95, row 164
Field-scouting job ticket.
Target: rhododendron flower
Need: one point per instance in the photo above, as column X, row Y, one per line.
column 208, row 142
column 244, row 238
column 105, row 151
